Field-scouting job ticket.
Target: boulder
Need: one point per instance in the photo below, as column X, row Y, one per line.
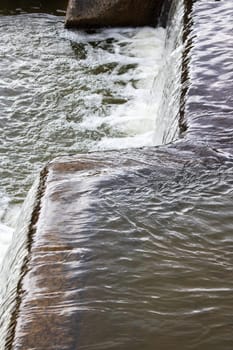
column 101, row 13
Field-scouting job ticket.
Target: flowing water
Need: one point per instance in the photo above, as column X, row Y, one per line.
column 154, row 244
column 70, row 92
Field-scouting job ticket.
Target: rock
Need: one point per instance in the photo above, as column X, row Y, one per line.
column 99, row 13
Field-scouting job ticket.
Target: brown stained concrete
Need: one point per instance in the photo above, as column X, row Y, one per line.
column 47, row 315
column 51, row 311
column 99, row 13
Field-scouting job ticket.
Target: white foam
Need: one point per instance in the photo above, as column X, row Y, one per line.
column 8, row 219
column 6, row 233
column 129, row 118
column 131, row 124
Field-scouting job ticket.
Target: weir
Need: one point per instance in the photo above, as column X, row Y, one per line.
column 82, row 277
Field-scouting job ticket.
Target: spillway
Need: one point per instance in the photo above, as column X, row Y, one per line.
column 132, row 248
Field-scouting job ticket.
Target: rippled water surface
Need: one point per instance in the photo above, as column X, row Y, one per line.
column 156, row 271
column 142, row 240
column 68, row 92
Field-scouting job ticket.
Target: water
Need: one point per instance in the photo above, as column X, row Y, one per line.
column 166, row 124
column 140, row 249
column 70, row 92
column 148, row 247
column 209, row 109
column 11, row 269
column 5, row 239
column 164, row 279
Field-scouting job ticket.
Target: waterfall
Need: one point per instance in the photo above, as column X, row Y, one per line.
column 166, row 123
column 165, row 92
column 11, row 270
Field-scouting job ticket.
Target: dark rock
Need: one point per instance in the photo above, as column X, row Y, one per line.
column 99, row 13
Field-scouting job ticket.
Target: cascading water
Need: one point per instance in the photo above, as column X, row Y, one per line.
column 5, row 239
column 138, row 242
column 72, row 92
column 125, row 113
column 11, row 270
column 167, row 118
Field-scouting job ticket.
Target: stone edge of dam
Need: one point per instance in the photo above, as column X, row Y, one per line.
column 56, row 193
column 41, row 328
column 112, row 13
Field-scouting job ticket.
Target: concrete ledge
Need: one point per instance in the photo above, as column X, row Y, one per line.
column 99, row 13
column 71, row 230
column 48, row 311
column 48, row 314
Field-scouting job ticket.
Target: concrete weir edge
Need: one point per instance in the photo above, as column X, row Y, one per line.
column 58, row 183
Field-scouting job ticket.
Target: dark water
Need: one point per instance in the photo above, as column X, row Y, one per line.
column 147, row 241
column 12, row 7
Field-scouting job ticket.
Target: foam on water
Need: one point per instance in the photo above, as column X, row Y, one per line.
column 6, row 230
column 132, row 119
column 71, row 92
column 5, row 239
column 8, row 222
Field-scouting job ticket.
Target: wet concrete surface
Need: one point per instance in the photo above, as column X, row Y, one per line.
column 133, row 249
column 99, row 13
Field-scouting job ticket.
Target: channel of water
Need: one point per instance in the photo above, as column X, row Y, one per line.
column 73, row 92
column 150, row 244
